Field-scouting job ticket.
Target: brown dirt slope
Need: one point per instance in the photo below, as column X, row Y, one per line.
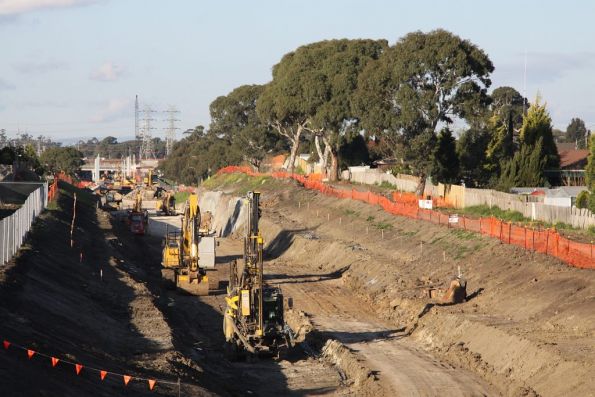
column 53, row 303
column 527, row 329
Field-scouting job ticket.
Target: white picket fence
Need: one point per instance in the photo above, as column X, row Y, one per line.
column 14, row 228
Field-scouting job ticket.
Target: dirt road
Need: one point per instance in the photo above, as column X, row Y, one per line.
column 402, row 369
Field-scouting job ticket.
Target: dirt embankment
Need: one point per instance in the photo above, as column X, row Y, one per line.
column 87, row 309
column 527, row 329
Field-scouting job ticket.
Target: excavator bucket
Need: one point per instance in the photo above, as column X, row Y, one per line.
column 198, row 286
column 457, row 291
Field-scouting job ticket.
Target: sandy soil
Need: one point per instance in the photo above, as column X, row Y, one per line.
column 356, row 277
column 527, row 329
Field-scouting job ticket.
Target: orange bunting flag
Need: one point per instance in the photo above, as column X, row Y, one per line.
column 102, row 374
column 6, row 344
column 152, row 383
column 30, row 353
column 127, row 379
column 78, row 368
column 55, row 361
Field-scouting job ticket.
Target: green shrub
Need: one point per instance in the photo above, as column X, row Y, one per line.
column 582, row 200
column 592, row 202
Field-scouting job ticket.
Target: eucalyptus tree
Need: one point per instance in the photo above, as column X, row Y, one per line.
column 234, row 115
column 289, row 100
column 311, row 92
column 424, row 80
column 341, row 62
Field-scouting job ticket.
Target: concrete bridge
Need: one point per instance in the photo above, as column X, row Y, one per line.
column 128, row 166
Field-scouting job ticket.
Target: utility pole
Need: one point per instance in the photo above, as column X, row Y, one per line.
column 137, row 136
column 146, row 149
column 525, row 83
column 170, row 132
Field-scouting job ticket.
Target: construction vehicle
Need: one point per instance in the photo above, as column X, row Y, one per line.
column 254, row 320
column 111, row 200
column 189, row 253
column 150, row 179
column 138, row 220
column 166, row 204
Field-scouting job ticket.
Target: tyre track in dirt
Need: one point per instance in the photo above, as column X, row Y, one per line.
column 402, row 369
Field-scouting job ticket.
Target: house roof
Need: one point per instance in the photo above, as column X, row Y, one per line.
column 565, row 191
column 573, row 157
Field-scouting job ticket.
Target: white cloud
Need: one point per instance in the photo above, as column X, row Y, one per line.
column 107, row 72
column 114, row 109
column 16, row 7
column 4, row 85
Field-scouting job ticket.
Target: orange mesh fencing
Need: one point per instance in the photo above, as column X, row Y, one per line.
column 53, row 189
column 546, row 241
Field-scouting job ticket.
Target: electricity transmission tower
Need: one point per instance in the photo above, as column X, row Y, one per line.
column 146, row 149
column 136, row 131
column 170, row 131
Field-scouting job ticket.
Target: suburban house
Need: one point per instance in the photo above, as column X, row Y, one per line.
column 572, row 164
column 564, row 196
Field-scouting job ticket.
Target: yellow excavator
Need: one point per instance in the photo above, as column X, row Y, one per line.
column 189, row 253
column 254, row 319
column 138, row 219
column 166, row 204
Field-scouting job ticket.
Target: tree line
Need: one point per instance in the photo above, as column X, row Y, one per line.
column 348, row 102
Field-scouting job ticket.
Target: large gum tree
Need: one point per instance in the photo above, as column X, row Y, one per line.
column 423, row 81
column 311, row 92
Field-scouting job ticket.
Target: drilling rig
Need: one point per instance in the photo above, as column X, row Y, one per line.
column 254, row 320
column 188, row 254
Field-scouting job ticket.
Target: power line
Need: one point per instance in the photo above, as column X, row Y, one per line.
column 146, row 150
column 170, row 131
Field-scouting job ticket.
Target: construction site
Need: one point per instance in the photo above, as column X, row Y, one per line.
column 255, row 285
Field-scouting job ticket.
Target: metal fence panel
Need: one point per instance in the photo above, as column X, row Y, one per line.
column 14, row 228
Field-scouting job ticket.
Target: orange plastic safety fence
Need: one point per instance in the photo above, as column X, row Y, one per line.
column 406, row 204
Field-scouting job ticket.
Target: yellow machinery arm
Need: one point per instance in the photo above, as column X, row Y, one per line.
column 181, row 254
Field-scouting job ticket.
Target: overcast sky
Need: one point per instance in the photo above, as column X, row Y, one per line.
column 71, row 68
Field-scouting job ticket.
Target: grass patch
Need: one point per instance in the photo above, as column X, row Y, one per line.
column 181, row 197
column 240, row 183
column 486, row 211
column 461, row 252
column 409, row 234
column 435, row 240
column 386, row 185
column 563, row 226
column 370, row 219
column 349, row 212
column 464, row 234
column 382, row 226
column 52, row 205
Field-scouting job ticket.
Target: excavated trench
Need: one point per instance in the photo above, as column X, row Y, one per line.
column 360, row 275
column 356, row 277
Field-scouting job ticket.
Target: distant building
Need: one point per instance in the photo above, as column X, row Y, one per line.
column 572, row 164
column 563, row 196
